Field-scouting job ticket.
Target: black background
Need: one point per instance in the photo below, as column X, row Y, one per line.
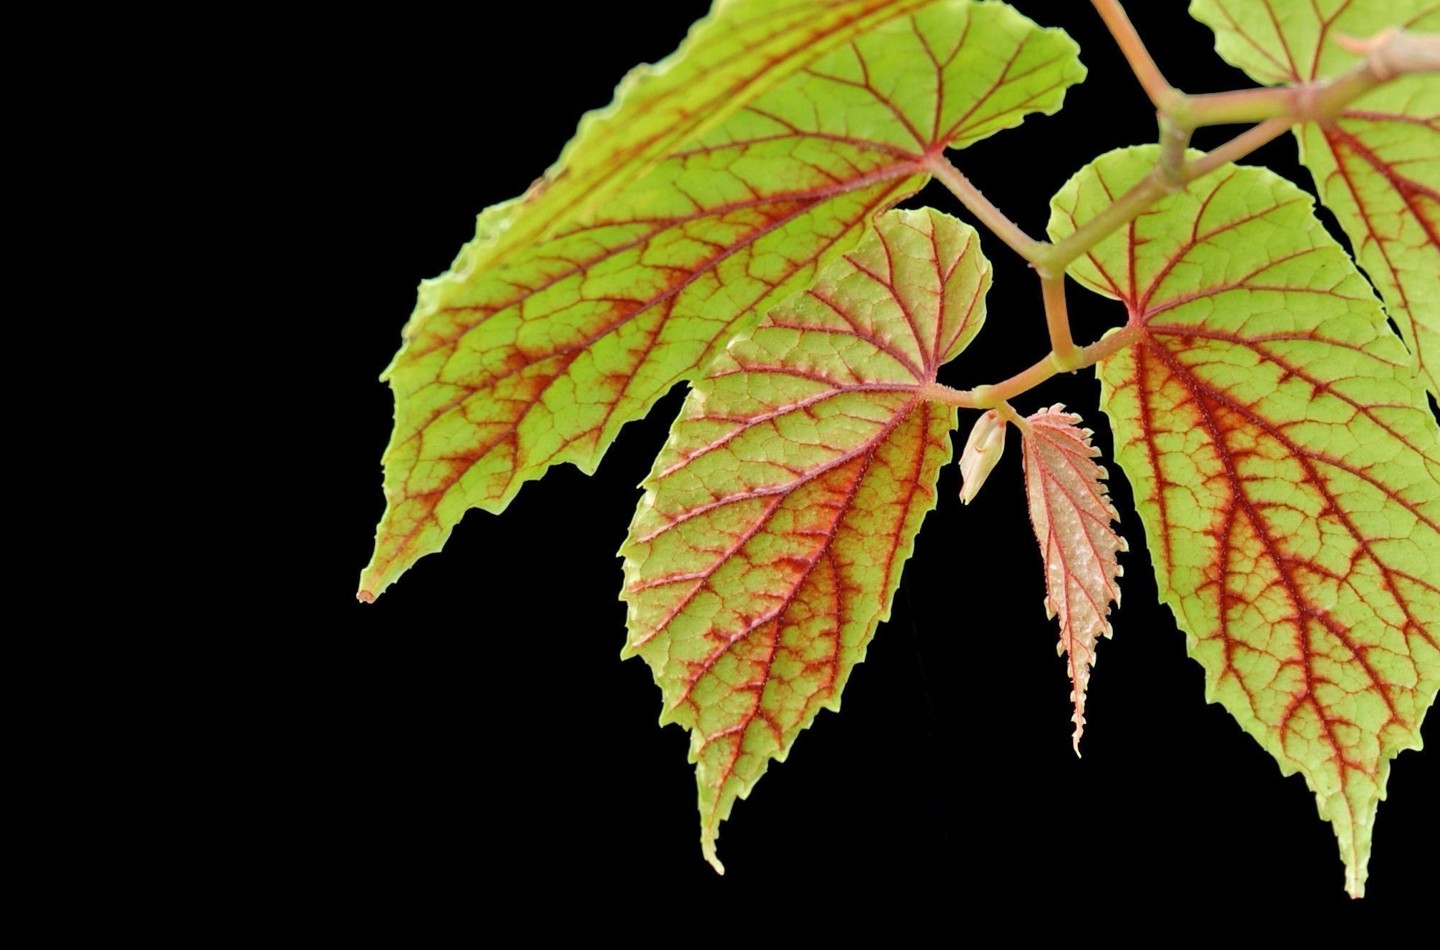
column 473, row 736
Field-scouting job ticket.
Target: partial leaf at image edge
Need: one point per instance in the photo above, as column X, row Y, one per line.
column 575, row 309
column 1378, row 164
column 770, row 539
column 1286, row 467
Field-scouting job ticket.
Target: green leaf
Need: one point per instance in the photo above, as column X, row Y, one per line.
column 775, row 522
column 715, row 187
column 1286, row 468
column 1071, row 513
column 1378, row 164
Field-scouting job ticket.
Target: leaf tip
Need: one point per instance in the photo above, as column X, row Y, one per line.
column 707, row 845
column 364, row 596
column 1356, row 871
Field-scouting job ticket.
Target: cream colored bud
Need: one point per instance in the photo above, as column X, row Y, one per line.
column 982, row 450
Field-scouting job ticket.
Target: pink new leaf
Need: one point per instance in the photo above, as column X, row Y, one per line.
column 1071, row 512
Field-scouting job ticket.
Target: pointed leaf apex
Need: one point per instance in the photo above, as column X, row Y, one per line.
column 1308, row 589
column 1072, row 516
column 747, row 666
column 707, row 847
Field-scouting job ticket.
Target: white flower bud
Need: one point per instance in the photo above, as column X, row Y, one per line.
column 982, row 450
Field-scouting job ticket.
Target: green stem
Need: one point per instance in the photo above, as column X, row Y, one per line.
column 1056, row 257
column 1174, row 140
column 1237, row 148
column 1125, row 209
column 1234, row 108
column 1315, row 102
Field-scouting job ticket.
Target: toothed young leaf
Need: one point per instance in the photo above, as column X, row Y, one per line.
column 713, row 188
column 775, row 522
column 1378, row 164
column 1071, row 512
column 1286, row 467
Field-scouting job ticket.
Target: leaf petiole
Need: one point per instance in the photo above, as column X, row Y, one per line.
column 977, row 204
column 1139, row 58
column 1057, row 320
column 992, row 396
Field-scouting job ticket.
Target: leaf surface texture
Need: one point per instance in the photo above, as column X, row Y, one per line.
column 774, row 525
column 1378, row 165
column 715, row 186
column 1073, row 519
column 1286, row 468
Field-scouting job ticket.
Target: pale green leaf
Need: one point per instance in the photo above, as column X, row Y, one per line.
column 775, row 522
column 1286, row 468
column 1378, row 164
column 715, row 187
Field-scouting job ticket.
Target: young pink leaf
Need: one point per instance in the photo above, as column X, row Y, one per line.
column 714, row 188
column 775, row 522
column 1286, row 468
column 1377, row 164
column 1072, row 515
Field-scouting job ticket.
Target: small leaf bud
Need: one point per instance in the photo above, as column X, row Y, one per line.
column 982, row 450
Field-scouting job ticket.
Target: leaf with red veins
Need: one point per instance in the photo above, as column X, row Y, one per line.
column 1071, row 512
column 774, row 525
column 716, row 186
column 1286, row 467
column 1378, row 164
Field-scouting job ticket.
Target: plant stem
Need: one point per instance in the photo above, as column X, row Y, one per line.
column 1141, row 63
column 988, row 397
column 1237, row 148
column 1125, row 209
column 1057, row 320
column 1055, row 258
column 1319, row 101
column 1234, row 108
column 1388, row 54
column 1007, row 412
column 977, row 204
column 1174, row 140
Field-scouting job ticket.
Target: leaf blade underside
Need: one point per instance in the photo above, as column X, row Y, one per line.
column 1071, row 513
column 548, row 335
column 776, row 520
column 1378, row 165
column 1286, row 468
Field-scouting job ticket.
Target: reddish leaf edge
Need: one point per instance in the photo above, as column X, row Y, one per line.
column 1079, row 456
